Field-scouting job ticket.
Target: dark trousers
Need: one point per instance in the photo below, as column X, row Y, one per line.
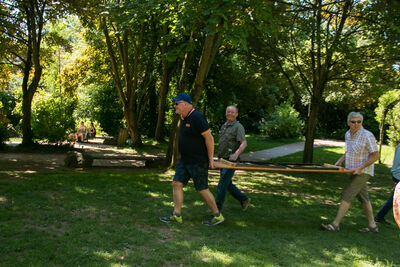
column 388, row 204
column 225, row 184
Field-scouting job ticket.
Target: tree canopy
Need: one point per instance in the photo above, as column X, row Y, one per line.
column 321, row 58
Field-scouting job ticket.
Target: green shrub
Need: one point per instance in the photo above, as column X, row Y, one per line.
column 390, row 102
column 5, row 131
column 52, row 118
column 283, row 122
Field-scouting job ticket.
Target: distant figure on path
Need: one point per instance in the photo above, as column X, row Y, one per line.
column 361, row 151
column 232, row 142
column 92, row 131
column 81, row 133
column 380, row 217
column 196, row 146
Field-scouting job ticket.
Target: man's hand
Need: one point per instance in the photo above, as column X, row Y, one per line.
column 211, row 164
column 233, row 157
column 358, row 170
column 340, row 160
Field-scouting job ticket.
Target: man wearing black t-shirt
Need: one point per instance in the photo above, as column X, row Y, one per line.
column 196, row 146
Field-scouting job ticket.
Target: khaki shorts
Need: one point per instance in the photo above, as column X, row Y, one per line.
column 357, row 188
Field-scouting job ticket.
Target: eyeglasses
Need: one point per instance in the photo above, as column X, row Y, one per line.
column 354, row 122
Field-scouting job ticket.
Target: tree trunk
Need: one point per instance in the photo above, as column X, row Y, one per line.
column 209, row 51
column 162, row 99
column 128, row 92
column 27, row 134
column 34, row 16
column 172, row 151
column 167, row 73
column 132, row 125
column 310, row 131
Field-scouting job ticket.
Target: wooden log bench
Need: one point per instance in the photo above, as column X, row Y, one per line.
column 77, row 159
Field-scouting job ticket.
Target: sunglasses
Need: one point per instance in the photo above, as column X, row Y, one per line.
column 354, row 122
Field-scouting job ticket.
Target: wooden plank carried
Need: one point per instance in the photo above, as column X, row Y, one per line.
column 279, row 167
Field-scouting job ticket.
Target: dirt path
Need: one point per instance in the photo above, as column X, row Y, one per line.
column 280, row 151
column 15, row 162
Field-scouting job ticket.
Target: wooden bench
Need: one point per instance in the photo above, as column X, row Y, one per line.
column 77, row 159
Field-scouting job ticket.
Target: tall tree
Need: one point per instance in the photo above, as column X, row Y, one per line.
column 130, row 30
column 22, row 33
column 319, row 49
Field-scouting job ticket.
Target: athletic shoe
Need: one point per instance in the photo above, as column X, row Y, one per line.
column 245, row 204
column 214, row 220
column 171, row 218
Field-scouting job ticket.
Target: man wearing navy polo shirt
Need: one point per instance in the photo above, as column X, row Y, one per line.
column 196, row 146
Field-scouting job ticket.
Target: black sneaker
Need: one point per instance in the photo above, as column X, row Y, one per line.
column 382, row 221
column 171, row 218
column 214, row 220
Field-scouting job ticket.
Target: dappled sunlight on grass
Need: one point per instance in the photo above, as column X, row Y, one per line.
column 156, row 194
column 241, row 223
column 208, row 255
column 198, row 203
column 83, row 190
column 168, row 203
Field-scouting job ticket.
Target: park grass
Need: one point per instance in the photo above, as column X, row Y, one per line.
column 105, row 218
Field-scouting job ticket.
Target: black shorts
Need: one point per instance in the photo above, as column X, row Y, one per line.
column 197, row 171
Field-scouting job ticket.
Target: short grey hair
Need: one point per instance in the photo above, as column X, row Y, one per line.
column 354, row 114
column 237, row 109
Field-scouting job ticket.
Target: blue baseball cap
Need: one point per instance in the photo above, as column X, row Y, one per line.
column 183, row 97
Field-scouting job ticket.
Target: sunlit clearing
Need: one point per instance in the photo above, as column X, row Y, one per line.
column 82, row 190
column 208, row 255
column 3, row 200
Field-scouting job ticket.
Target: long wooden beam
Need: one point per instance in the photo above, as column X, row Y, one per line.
column 224, row 164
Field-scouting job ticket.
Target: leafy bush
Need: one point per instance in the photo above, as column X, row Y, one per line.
column 5, row 131
column 389, row 104
column 283, row 122
column 52, row 118
column 8, row 101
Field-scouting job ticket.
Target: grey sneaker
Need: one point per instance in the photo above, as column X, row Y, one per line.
column 214, row 220
column 245, row 204
column 172, row 218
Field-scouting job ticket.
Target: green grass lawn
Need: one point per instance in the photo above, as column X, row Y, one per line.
column 104, row 218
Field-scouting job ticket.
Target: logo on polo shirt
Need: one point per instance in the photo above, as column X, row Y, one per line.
column 187, row 125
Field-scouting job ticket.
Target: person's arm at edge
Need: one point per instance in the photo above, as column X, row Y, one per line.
column 340, row 160
column 372, row 157
column 209, row 139
column 242, row 147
